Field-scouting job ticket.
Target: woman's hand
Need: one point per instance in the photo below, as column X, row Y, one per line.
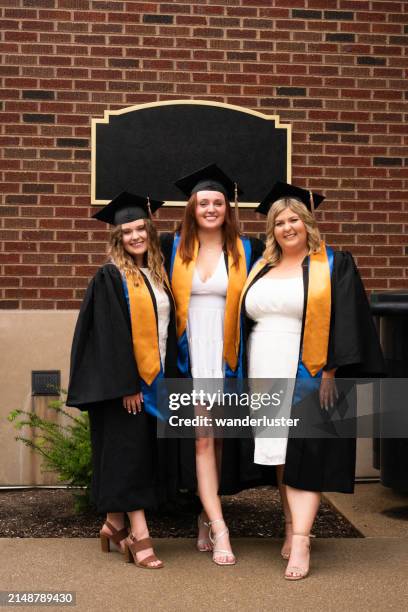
column 133, row 403
column 328, row 391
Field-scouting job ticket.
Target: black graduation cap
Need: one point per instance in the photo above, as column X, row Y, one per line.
column 209, row 178
column 285, row 190
column 127, row 207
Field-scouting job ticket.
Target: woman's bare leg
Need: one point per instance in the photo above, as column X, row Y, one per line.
column 286, row 511
column 117, row 519
column 208, row 483
column 303, row 507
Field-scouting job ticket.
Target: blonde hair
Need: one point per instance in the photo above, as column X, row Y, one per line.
column 125, row 262
column 273, row 252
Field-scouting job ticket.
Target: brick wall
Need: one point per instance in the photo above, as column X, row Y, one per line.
column 335, row 69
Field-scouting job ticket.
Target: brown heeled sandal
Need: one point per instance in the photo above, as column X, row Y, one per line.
column 116, row 537
column 138, row 546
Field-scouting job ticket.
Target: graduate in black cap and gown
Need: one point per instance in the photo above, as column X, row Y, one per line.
column 208, row 261
column 124, row 343
column 306, row 319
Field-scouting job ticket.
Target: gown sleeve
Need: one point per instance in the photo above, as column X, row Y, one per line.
column 258, row 248
column 103, row 366
column 166, row 246
column 354, row 346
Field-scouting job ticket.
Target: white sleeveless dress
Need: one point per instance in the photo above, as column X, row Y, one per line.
column 276, row 306
column 163, row 314
column 205, row 324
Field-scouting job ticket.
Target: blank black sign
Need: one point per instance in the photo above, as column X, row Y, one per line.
column 147, row 148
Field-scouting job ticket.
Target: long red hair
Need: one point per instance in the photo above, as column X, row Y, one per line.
column 189, row 231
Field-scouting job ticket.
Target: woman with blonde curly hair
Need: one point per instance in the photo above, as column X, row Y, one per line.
column 124, row 342
column 306, row 321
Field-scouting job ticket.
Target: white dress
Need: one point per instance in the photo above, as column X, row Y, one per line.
column 205, row 324
column 276, row 306
column 163, row 314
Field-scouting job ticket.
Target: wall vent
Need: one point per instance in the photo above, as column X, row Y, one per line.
column 45, row 382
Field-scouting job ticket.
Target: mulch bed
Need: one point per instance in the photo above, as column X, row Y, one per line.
column 48, row 513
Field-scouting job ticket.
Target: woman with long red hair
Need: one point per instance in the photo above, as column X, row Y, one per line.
column 208, row 262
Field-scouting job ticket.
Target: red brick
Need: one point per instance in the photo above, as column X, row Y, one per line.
column 400, row 283
column 9, row 282
column 72, row 259
column 73, row 282
column 87, row 16
column 38, row 281
column 291, row 69
column 56, row 270
column 24, row 13
column 21, row 293
column 71, row 236
column 70, row 304
column 86, row 271
column 402, row 262
column 56, row 294
column 9, row 304
column 38, row 304
column 21, row 36
column 55, row 247
column 175, row 8
column 37, row 235
column 20, row 270
column 38, row 258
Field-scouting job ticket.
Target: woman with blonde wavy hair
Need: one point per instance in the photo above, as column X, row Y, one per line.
column 273, row 253
column 306, row 320
column 124, row 342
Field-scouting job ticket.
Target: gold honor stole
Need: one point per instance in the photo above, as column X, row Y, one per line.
column 144, row 329
column 182, row 279
column 318, row 310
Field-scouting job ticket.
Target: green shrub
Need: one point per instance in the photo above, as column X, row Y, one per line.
column 65, row 449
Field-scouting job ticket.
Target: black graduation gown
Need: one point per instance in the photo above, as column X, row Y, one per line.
column 328, row 464
column 238, row 471
column 131, row 468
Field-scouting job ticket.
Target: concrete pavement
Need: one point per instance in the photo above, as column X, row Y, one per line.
column 354, row 574
column 361, row 575
column 376, row 511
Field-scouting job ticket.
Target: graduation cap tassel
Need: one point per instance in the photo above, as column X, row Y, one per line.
column 236, row 203
column 149, row 208
column 312, row 205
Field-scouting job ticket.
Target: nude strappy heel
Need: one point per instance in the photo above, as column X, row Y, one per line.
column 294, row 572
column 285, row 555
column 203, row 544
column 218, row 551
